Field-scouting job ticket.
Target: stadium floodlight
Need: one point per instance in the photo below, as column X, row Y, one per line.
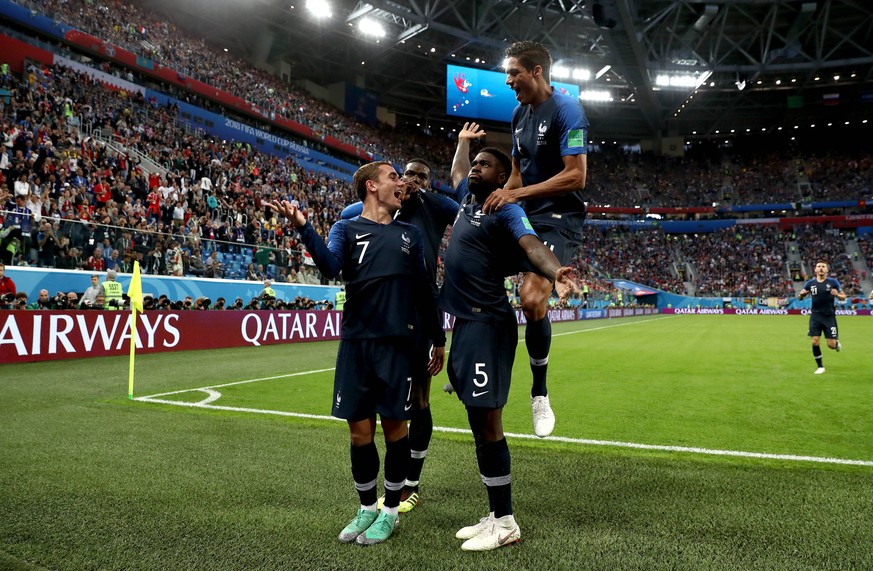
column 603, row 70
column 682, row 80
column 370, row 27
column 319, row 8
column 595, row 96
column 580, row 74
column 560, row 72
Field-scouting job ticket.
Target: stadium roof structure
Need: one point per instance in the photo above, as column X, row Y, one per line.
column 761, row 65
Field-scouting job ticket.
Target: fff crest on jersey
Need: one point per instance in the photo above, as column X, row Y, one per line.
column 406, row 242
column 542, row 128
column 476, row 220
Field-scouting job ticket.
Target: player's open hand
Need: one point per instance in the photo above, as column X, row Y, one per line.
column 498, row 199
column 437, row 358
column 288, row 210
column 566, row 282
column 471, row 131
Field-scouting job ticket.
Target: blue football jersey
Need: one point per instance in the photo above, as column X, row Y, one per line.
column 482, row 251
column 819, row 292
column 387, row 290
column 541, row 137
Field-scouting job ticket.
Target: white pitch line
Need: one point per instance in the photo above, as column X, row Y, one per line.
column 215, row 395
column 206, row 389
column 584, row 441
column 301, row 373
column 611, row 326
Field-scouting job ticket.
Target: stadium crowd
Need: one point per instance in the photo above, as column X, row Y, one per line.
column 780, row 176
column 71, row 202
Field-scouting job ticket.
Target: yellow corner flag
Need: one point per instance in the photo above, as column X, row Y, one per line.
column 134, row 293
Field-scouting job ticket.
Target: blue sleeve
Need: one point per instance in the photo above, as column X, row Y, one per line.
column 448, row 208
column 328, row 257
column 836, row 284
column 512, row 124
column 573, row 124
column 462, row 191
column 513, row 217
column 352, row 211
column 807, row 285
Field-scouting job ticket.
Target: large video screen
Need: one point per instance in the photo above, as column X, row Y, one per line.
column 482, row 94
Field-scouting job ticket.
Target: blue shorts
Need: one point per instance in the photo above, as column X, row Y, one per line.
column 373, row 376
column 823, row 323
column 562, row 239
column 480, row 361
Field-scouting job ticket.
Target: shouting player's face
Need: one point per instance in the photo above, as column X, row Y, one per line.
column 821, row 270
column 389, row 187
column 521, row 80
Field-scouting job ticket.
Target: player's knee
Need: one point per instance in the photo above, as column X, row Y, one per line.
column 534, row 306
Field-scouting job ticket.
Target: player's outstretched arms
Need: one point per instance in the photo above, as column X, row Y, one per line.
column 289, row 211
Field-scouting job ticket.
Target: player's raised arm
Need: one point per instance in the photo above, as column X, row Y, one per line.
column 461, row 162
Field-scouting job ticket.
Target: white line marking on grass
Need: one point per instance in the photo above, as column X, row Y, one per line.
column 206, row 389
column 611, row 326
column 215, row 395
column 584, row 441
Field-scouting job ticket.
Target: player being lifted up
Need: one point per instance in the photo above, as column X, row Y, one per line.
column 482, row 250
column 822, row 318
column 388, row 300
column 431, row 213
column 549, row 171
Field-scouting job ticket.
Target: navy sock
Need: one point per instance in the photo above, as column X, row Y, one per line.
column 365, row 470
column 420, row 432
column 538, row 339
column 396, row 469
column 816, row 352
column 496, row 474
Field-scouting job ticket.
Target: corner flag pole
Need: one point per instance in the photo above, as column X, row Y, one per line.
column 134, row 292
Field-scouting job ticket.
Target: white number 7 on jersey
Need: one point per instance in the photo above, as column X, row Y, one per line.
column 364, row 243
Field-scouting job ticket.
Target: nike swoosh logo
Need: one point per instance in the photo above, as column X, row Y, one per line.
column 359, row 236
column 475, row 394
column 519, row 130
column 505, row 538
column 407, row 407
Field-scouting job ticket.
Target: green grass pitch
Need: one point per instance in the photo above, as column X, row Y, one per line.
column 682, row 442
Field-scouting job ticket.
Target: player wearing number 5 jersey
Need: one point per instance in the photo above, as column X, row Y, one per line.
column 822, row 318
column 482, row 250
column 388, row 298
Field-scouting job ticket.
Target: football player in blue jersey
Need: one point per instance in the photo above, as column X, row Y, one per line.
column 389, row 299
column 823, row 317
column 431, row 212
column 482, row 250
column 549, row 171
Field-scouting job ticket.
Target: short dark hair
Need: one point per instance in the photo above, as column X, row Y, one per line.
column 422, row 162
column 369, row 171
column 531, row 54
column 501, row 157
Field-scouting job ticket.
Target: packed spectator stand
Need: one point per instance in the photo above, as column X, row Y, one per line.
column 70, row 201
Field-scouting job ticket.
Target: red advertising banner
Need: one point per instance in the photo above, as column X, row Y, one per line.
column 49, row 335
column 762, row 311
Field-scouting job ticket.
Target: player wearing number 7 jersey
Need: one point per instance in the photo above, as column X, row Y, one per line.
column 388, row 299
column 482, row 250
column 822, row 318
